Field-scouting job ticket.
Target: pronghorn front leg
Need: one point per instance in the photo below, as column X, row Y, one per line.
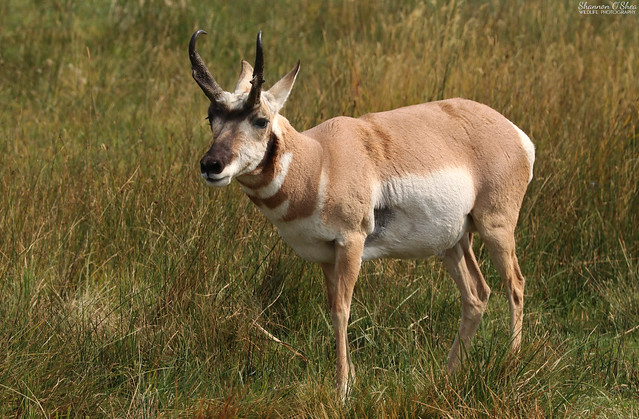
column 340, row 279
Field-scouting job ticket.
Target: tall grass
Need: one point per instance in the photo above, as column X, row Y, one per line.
column 130, row 289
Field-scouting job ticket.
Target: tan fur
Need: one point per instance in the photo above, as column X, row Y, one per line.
column 348, row 184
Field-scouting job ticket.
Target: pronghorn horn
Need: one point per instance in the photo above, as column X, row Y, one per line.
column 258, row 74
column 201, row 74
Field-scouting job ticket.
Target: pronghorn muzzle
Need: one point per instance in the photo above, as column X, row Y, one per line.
column 210, row 166
column 218, row 158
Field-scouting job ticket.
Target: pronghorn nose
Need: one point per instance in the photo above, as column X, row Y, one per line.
column 208, row 165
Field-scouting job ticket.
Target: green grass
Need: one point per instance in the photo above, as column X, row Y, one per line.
column 130, row 289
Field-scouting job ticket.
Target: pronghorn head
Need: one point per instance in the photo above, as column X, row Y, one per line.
column 243, row 123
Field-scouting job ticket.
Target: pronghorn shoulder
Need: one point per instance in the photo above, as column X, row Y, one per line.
column 331, row 128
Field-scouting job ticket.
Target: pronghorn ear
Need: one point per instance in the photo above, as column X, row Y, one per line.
column 244, row 81
column 280, row 90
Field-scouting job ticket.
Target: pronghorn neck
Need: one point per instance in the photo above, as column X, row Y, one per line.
column 285, row 186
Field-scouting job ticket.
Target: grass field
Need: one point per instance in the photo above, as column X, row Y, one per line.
column 130, row 289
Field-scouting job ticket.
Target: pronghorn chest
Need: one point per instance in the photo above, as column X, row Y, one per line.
column 293, row 202
column 309, row 236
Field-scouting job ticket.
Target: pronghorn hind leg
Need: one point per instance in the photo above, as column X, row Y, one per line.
column 340, row 278
column 462, row 265
column 495, row 217
column 500, row 244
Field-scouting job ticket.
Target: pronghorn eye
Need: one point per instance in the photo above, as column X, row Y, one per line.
column 261, row 123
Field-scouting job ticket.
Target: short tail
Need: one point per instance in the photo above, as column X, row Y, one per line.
column 529, row 147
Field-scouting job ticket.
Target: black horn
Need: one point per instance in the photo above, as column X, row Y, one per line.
column 201, row 74
column 258, row 73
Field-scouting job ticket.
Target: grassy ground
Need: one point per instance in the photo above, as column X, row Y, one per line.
column 129, row 288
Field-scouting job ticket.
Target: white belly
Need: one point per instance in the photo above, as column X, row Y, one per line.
column 417, row 216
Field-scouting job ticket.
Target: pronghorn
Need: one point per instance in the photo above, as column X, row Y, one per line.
column 409, row 183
